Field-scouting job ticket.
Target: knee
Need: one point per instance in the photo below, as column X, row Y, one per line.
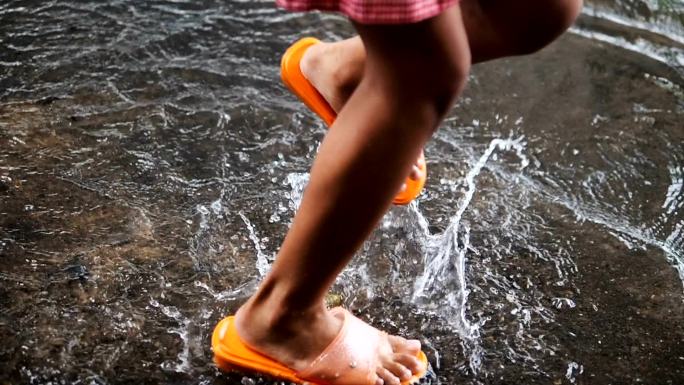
column 441, row 80
column 562, row 14
column 551, row 19
column 444, row 88
column 420, row 89
column 421, row 84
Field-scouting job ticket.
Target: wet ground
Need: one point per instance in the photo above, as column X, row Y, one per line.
column 151, row 161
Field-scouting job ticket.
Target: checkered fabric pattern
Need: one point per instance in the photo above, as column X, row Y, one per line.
column 374, row 11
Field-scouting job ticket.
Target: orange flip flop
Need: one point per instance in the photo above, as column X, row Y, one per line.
column 348, row 360
column 291, row 74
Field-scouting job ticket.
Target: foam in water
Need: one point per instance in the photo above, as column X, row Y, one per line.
column 665, row 55
column 230, row 294
column 262, row 263
column 183, row 364
column 574, row 369
column 674, row 199
column 660, row 36
column 297, row 183
column 625, row 232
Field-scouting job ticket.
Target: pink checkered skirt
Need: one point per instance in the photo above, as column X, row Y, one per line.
column 374, row 11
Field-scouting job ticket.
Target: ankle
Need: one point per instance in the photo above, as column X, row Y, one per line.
column 271, row 327
column 271, row 309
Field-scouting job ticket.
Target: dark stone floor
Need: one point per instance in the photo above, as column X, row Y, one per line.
column 111, row 273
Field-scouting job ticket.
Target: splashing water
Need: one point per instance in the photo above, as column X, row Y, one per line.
column 262, row 263
column 443, row 252
column 151, row 162
column 442, row 285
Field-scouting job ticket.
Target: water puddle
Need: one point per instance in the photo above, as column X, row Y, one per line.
column 151, row 164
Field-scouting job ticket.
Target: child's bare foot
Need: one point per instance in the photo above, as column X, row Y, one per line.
column 335, row 69
column 296, row 339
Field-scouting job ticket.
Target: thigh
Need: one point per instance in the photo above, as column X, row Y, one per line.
column 499, row 28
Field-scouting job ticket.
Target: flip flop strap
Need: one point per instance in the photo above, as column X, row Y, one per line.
column 351, row 358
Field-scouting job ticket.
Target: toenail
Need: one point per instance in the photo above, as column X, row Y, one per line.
column 407, row 374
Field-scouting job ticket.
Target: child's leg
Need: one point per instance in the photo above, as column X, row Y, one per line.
column 347, row 77
column 499, row 28
column 495, row 29
column 411, row 75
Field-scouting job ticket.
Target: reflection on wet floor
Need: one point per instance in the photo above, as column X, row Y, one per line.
column 151, row 163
